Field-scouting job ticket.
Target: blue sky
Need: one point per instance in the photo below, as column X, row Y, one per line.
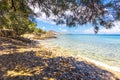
column 44, row 23
column 84, row 29
column 62, row 28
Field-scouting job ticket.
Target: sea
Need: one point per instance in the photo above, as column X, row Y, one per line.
column 103, row 49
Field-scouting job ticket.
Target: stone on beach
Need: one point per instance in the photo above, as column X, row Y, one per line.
column 47, row 64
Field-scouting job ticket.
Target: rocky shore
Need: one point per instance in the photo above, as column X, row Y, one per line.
column 29, row 62
column 48, row 35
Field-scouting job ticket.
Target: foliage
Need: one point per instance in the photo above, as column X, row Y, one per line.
column 39, row 31
column 82, row 12
column 95, row 12
column 115, row 6
column 14, row 15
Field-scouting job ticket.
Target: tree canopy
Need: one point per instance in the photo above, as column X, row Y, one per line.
column 17, row 13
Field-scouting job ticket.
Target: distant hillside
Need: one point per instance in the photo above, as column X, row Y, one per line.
column 49, row 34
column 53, row 32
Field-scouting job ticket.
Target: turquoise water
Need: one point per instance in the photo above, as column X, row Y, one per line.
column 103, row 48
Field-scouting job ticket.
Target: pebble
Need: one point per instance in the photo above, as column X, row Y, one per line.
column 57, row 68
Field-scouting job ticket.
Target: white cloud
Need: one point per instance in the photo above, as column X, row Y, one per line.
column 89, row 31
column 60, row 28
column 76, row 30
column 114, row 30
column 64, row 30
column 42, row 16
column 43, row 27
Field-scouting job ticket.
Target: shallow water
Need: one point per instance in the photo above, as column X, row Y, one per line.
column 103, row 48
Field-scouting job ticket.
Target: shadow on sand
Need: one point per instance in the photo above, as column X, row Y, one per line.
column 28, row 66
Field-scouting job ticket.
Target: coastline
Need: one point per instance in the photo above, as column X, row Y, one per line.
column 112, row 69
column 61, row 58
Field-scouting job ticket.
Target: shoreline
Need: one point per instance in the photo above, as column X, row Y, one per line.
column 98, row 63
column 56, row 57
column 115, row 70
